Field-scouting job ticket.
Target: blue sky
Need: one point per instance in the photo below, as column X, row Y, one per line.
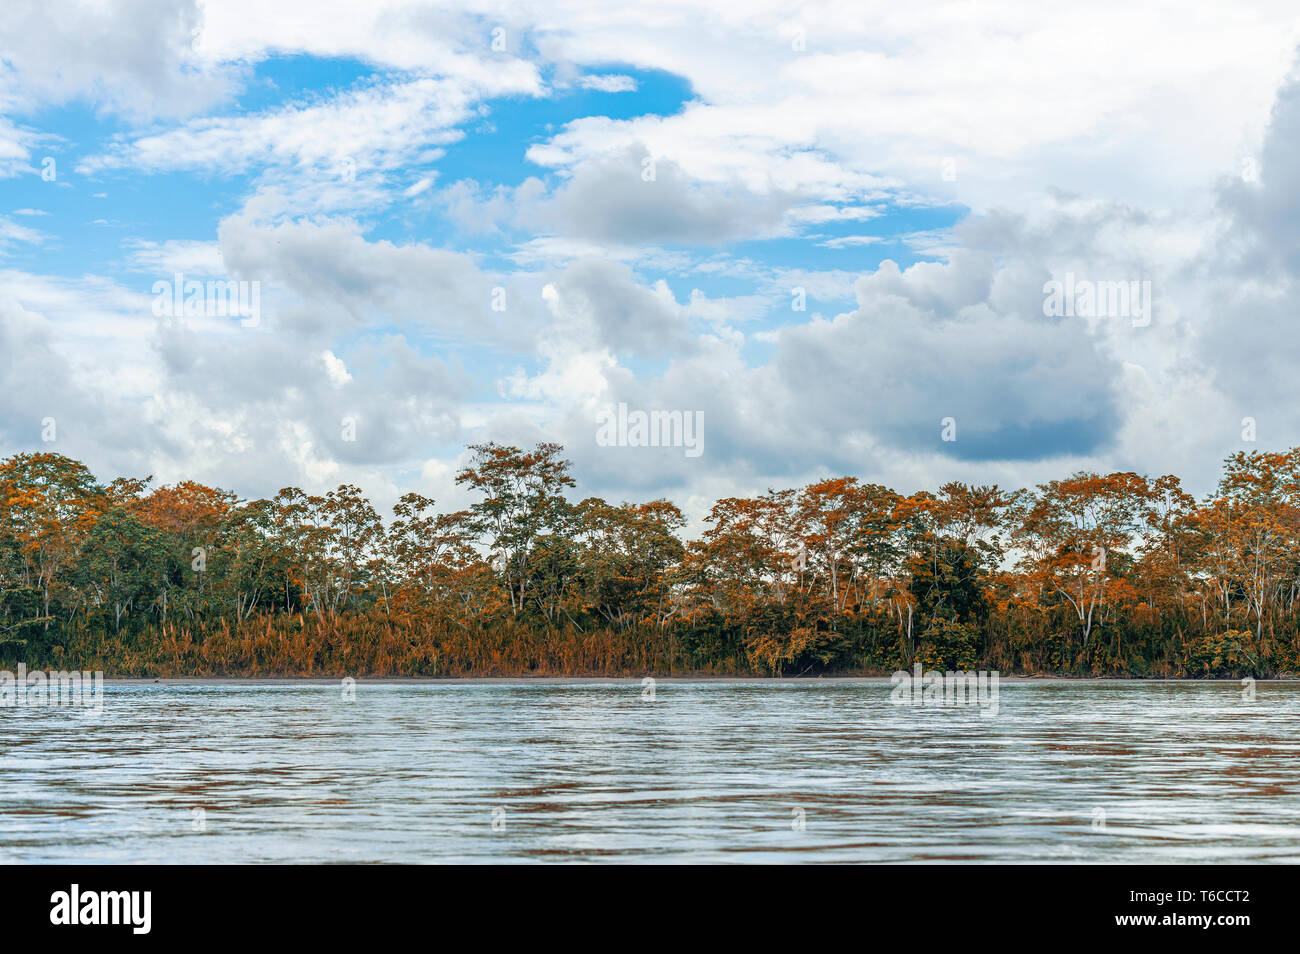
column 450, row 220
column 94, row 220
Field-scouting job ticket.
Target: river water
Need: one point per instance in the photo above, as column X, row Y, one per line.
column 745, row 771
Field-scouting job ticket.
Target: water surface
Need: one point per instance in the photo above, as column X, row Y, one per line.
column 772, row 771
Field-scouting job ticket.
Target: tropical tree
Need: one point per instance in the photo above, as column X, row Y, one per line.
column 522, row 499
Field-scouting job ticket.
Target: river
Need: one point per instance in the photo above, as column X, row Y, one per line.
column 690, row 771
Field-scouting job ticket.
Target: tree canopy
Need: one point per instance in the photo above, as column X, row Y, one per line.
column 1090, row 574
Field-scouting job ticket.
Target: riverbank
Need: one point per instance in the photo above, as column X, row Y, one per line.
column 628, row 680
column 373, row 646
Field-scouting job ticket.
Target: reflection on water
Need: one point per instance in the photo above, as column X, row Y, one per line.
column 1075, row 772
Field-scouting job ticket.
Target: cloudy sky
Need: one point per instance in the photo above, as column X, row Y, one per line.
column 826, row 226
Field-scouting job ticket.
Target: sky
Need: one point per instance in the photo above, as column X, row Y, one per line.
column 826, row 231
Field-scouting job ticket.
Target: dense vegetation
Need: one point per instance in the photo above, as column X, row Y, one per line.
column 1112, row 574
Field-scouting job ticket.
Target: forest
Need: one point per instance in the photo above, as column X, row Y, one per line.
column 1117, row 575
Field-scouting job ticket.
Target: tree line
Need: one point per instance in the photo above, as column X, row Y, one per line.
column 1095, row 574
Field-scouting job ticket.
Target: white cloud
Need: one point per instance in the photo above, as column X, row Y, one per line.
column 136, row 57
column 177, row 255
column 378, row 128
column 1022, row 98
column 1070, row 132
column 335, row 369
column 11, row 232
column 608, row 83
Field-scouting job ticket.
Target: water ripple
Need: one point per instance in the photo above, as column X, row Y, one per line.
column 1106, row 772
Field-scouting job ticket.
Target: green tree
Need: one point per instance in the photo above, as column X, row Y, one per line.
column 523, row 498
column 122, row 563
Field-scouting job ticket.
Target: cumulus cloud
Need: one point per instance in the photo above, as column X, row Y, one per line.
column 837, row 101
column 960, row 342
column 600, row 304
column 53, row 399
column 414, row 300
column 340, row 280
column 136, row 57
column 284, row 407
column 1251, row 274
column 627, row 198
column 634, row 197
